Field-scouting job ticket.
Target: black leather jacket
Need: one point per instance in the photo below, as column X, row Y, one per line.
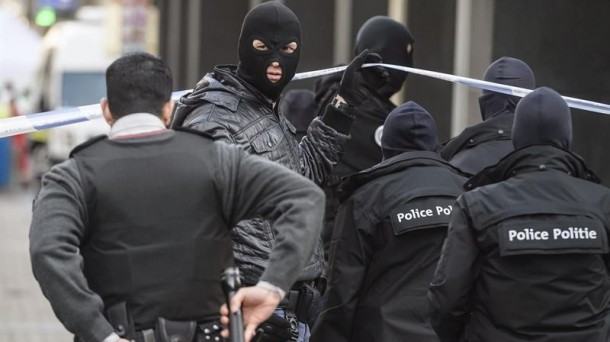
column 512, row 268
column 234, row 112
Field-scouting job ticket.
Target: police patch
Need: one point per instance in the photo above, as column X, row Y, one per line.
column 427, row 212
column 566, row 235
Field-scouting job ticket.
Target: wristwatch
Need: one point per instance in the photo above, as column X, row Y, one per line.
column 340, row 104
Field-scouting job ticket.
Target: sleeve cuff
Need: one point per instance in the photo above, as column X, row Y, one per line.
column 112, row 338
column 268, row 286
column 340, row 120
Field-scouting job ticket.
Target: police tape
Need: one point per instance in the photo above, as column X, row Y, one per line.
column 66, row 116
column 471, row 82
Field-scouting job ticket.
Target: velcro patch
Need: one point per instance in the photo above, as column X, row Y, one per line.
column 430, row 212
column 566, row 235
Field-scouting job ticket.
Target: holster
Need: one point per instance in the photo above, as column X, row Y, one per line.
column 277, row 329
column 307, row 304
column 181, row 331
column 174, row 331
column 303, row 300
column 121, row 320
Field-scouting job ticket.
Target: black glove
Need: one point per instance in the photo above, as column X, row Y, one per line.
column 276, row 329
column 359, row 84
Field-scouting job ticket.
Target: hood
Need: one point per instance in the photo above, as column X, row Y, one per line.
column 409, row 127
column 542, row 117
column 509, row 71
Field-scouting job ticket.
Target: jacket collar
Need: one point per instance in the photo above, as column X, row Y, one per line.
column 498, row 127
column 533, row 158
column 136, row 124
column 393, row 165
column 224, row 79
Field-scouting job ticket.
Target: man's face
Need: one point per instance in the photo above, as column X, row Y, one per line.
column 269, row 48
column 274, row 70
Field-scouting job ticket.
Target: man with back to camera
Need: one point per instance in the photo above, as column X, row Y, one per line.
column 485, row 143
column 388, row 237
column 526, row 255
column 129, row 236
column 394, row 43
column 238, row 105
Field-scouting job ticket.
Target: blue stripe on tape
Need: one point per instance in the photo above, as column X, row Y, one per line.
column 55, row 118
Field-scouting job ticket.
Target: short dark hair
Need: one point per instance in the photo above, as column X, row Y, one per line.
column 138, row 82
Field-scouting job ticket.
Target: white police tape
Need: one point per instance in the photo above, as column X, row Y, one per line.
column 45, row 120
column 471, row 82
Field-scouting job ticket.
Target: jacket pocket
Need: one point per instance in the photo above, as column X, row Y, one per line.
column 267, row 141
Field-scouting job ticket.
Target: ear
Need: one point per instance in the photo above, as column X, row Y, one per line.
column 409, row 48
column 166, row 112
column 106, row 111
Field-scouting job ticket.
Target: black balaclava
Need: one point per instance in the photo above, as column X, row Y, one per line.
column 389, row 39
column 275, row 25
column 509, row 71
column 409, row 127
column 542, row 117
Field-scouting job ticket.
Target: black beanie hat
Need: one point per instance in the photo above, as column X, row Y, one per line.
column 409, row 127
column 505, row 70
column 388, row 38
column 542, row 117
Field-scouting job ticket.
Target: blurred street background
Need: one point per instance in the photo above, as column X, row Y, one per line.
column 25, row 315
column 53, row 54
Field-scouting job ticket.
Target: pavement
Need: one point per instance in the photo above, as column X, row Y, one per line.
column 25, row 314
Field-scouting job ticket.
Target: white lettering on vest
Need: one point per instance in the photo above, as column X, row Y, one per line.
column 421, row 213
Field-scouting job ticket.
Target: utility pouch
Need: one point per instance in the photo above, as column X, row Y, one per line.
column 307, row 305
column 121, row 320
column 174, row 331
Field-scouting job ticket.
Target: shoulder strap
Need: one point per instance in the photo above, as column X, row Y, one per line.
column 88, row 143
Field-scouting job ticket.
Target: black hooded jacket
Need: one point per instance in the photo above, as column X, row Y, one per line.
column 481, row 145
column 500, row 278
column 387, row 240
column 487, row 142
column 390, row 228
column 527, row 254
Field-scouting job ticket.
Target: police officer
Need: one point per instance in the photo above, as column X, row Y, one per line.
column 390, row 229
column 129, row 236
column 526, row 255
column 487, row 142
column 394, row 43
column 239, row 105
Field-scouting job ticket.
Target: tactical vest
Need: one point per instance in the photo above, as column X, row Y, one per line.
column 155, row 238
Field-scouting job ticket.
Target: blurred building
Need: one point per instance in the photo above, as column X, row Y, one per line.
column 561, row 40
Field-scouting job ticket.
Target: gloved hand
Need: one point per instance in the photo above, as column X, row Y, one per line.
column 358, row 84
column 276, row 328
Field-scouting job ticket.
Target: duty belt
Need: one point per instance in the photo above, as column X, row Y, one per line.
column 171, row 331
